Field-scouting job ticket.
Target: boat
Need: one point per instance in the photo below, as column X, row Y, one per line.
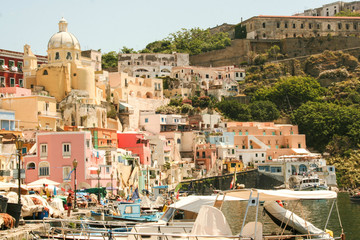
column 355, row 198
column 210, row 222
column 311, row 183
column 125, row 212
column 290, row 221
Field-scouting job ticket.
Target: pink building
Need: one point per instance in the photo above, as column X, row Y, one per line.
column 137, row 144
column 55, row 153
column 14, row 92
column 256, row 140
column 205, row 156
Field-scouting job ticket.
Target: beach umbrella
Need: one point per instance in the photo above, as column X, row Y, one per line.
column 40, row 182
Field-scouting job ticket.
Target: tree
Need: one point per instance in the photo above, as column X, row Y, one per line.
column 290, row 93
column 110, row 60
column 127, row 50
column 273, row 51
column 234, row 110
column 320, row 122
column 263, row 111
column 240, row 31
column 193, row 41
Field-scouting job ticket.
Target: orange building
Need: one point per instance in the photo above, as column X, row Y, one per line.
column 256, row 142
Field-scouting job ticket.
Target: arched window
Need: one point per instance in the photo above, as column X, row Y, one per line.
column 57, row 56
column 178, row 140
column 329, row 27
column 68, row 56
column 293, row 170
column 30, row 166
column 45, row 72
column 302, row 169
column 44, row 169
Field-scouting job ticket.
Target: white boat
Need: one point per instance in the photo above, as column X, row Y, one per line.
column 210, row 222
column 311, row 183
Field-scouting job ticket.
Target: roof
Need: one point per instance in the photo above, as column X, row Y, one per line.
column 300, row 151
column 307, row 17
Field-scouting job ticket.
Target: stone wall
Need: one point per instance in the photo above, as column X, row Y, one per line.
column 251, row 179
column 290, row 47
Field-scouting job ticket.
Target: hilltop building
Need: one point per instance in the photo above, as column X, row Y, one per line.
column 331, row 9
column 151, row 65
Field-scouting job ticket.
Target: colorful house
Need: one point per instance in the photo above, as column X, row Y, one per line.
column 137, row 144
column 54, row 157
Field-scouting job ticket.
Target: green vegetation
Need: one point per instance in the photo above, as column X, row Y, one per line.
column 193, row 41
column 109, row 60
column 240, row 31
column 347, row 13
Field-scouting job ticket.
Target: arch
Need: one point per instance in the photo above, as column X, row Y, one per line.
column 165, row 70
column 45, row 72
column 30, row 166
column 149, row 95
column 84, row 185
column 44, row 168
column 203, row 83
column 302, row 169
column 141, row 70
column 293, row 170
column 138, row 94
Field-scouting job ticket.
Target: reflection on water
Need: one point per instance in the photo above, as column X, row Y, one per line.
column 314, row 211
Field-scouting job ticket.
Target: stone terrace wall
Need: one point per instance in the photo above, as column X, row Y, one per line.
column 291, row 47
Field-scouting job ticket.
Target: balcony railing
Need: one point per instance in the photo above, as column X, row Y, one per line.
column 4, row 173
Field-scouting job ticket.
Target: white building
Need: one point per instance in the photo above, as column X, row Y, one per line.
column 156, row 123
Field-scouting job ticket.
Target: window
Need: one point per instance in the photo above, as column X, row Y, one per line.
column 262, row 155
column 12, row 82
column 347, row 26
column 318, row 26
column 294, row 25
column 57, row 56
column 68, row 56
column 2, row 62
column 66, row 173
column 77, row 56
column 299, row 145
column 66, row 149
column 256, row 155
column 286, row 25
column 23, row 150
column 21, row 83
column 328, row 27
column 310, row 25
column 2, row 82
column 355, row 27
column 30, row 166
column 146, row 120
column 178, row 140
column 207, row 75
column 339, row 25
column 44, row 169
column 87, row 143
column 19, row 65
column 264, row 25
column 302, row 25
column 11, row 63
column 275, row 169
column 273, row 133
column 278, row 25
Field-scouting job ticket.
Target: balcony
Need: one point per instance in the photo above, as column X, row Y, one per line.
column 49, row 114
column 13, row 69
column 4, row 173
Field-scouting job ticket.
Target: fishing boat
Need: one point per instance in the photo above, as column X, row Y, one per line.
column 311, row 183
column 125, row 212
column 210, row 222
column 355, row 198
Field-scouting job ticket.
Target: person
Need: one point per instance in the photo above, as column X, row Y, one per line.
column 69, row 203
column 32, row 191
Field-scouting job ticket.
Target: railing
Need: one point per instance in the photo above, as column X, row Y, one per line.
column 4, row 173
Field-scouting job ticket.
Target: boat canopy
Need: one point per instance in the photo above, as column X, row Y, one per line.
column 194, row 203
column 273, row 195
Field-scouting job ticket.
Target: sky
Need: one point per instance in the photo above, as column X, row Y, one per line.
column 111, row 24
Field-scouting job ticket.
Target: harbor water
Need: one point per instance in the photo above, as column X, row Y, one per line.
column 314, row 211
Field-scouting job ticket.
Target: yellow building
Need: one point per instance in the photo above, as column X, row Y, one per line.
column 64, row 70
column 33, row 112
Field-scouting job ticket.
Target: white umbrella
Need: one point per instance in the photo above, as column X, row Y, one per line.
column 43, row 181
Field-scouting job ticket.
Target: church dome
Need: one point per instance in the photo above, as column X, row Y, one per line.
column 63, row 39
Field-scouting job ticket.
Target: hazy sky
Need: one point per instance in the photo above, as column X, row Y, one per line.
column 111, row 24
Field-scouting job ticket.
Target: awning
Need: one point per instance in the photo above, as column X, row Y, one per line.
column 125, row 105
column 273, row 195
column 300, row 151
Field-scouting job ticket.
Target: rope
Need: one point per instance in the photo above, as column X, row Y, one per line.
column 328, row 218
